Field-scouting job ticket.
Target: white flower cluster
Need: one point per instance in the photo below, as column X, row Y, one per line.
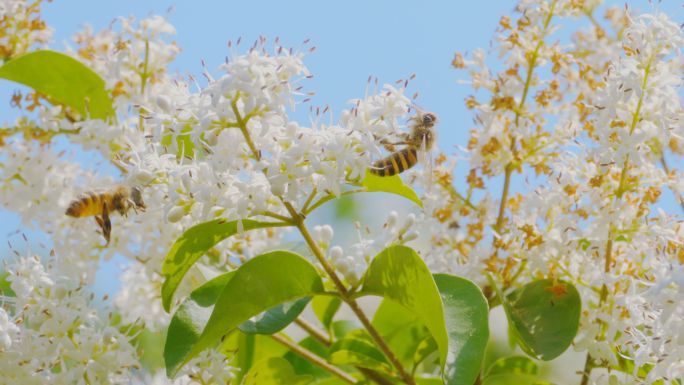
column 228, row 150
column 588, row 139
column 591, row 217
column 52, row 333
column 22, row 28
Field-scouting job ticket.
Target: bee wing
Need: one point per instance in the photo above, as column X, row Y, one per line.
column 426, row 159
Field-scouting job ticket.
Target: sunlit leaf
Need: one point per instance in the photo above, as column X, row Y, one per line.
column 390, row 184
column 514, row 379
column 190, row 319
column 258, row 285
column 325, row 308
column 512, row 365
column 401, row 329
column 193, row 244
column 5, row 288
column 359, row 352
column 399, row 274
column 425, row 348
column 62, row 78
column 274, row 371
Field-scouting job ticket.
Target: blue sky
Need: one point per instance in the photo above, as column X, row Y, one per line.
column 354, row 39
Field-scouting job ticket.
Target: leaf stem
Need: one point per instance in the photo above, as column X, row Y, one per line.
column 314, row 359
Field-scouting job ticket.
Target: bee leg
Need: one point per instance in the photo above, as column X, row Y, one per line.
column 103, row 227
column 131, row 204
column 105, row 223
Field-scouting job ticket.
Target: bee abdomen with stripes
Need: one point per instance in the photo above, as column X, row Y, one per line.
column 396, row 163
column 86, row 204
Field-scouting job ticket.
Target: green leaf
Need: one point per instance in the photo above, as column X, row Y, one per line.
column 359, row 352
column 346, row 207
column 429, row 381
column 325, row 308
column 512, row 365
column 424, row 349
column 274, row 371
column 467, row 322
column 302, row 366
column 64, row 79
column 258, row 285
column 401, row 329
column 514, row 379
column 584, row 244
column 194, row 243
column 275, row 319
column 150, row 347
column 190, row 319
column 5, row 287
column 545, row 317
column 391, row 184
column 343, row 327
column 398, row 273
column 184, row 144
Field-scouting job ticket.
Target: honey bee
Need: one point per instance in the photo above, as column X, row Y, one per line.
column 101, row 203
column 421, row 137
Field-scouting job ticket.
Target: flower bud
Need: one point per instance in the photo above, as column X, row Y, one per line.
column 409, row 236
column 336, row 253
column 326, row 234
column 343, row 265
column 175, row 214
column 142, row 177
column 186, row 180
column 410, row 220
column 392, row 219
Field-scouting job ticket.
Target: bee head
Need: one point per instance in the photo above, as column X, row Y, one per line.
column 136, row 197
column 422, row 134
column 428, row 119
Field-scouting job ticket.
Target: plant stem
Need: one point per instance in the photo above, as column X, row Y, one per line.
column 589, row 364
column 347, row 298
column 587, row 370
column 504, row 198
column 143, row 83
column 297, row 219
column 518, row 113
column 314, row 359
column 242, row 124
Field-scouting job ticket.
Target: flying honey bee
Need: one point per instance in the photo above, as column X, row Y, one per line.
column 421, row 138
column 101, row 203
